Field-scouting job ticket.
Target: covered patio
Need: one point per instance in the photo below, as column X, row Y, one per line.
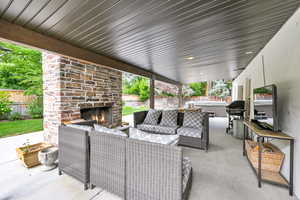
column 220, row 174
column 87, row 45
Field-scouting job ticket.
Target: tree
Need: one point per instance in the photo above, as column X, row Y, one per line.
column 199, row 88
column 136, row 85
column 221, row 88
column 21, row 68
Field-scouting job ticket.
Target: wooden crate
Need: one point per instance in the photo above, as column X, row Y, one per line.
column 29, row 154
column 271, row 161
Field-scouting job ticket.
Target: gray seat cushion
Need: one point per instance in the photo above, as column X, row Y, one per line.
column 152, row 117
column 186, row 171
column 155, row 138
column 146, row 127
column 158, row 129
column 193, row 119
column 190, row 132
column 169, row 118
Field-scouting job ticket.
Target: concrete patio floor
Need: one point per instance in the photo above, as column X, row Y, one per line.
column 8, row 145
column 221, row 174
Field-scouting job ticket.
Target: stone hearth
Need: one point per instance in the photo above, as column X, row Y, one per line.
column 72, row 86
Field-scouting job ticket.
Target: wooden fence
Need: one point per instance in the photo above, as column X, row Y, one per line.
column 19, row 100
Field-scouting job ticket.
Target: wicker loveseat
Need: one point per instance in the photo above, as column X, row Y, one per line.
column 129, row 168
column 188, row 136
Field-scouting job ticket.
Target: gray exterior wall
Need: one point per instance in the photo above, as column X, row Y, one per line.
column 282, row 67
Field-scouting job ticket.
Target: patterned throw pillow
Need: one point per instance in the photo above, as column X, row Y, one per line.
column 152, row 117
column 103, row 129
column 81, row 127
column 192, row 119
column 169, row 118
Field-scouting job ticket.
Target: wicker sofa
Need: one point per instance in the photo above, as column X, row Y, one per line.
column 129, row 168
column 192, row 137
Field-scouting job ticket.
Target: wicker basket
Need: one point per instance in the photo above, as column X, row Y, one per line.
column 29, row 154
column 272, row 157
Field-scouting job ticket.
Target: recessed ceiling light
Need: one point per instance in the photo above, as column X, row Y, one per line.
column 249, row 52
column 189, row 58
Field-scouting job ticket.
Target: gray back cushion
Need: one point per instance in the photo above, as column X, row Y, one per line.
column 169, row 118
column 193, row 119
column 152, row 117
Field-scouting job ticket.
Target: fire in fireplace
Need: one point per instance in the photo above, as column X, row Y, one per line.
column 102, row 115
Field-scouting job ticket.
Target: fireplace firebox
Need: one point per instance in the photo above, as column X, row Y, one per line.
column 102, row 115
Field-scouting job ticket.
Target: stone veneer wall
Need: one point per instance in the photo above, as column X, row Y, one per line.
column 70, row 85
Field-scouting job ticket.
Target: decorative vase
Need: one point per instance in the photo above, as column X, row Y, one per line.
column 47, row 157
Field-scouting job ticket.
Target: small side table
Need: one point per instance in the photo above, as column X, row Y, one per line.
column 262, row 175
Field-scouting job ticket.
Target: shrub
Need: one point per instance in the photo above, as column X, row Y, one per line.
column 35, row 108
column 4, row 105
column 15, row 116
column 163, row 93
column 262, row 91
column 168, row 94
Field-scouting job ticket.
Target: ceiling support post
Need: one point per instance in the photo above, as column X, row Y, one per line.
column 180, row 96
column 152, row 95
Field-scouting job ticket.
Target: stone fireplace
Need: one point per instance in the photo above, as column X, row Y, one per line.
column 102, row 115
column 75, row 90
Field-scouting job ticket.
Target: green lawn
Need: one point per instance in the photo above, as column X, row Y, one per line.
column 128, row 110
column 9, row 128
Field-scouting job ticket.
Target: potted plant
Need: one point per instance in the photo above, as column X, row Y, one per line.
column 28, row 153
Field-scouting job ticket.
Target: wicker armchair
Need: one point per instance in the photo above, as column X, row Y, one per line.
column 74, row 153
column 201, row 142
column 154, row 171
column 108, row 162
